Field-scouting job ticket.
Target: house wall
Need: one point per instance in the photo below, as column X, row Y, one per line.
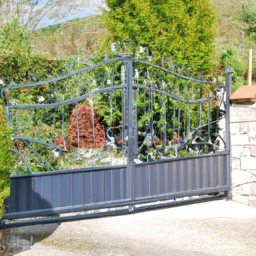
column 243, row 154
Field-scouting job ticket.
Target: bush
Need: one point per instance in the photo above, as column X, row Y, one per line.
column 85, row 129
column 179, row 28
column 5, row 159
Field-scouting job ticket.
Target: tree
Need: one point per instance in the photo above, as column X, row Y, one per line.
column 183, row 29
column 249, row 18
column 30, row 13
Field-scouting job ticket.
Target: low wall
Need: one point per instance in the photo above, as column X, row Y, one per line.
column 243, row 153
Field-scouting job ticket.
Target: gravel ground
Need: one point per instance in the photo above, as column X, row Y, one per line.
column 213, row 228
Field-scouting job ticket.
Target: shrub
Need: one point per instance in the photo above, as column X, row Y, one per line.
column 5, row 159
column 85, row 129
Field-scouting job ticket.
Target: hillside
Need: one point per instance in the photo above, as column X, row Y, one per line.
column 63, row 40
column 231, row 44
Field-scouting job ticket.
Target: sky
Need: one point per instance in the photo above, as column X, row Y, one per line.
column 81, row 14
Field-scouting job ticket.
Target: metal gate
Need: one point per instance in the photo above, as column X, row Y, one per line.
column 135, row 181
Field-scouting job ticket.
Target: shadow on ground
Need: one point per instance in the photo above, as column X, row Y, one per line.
column 15, row 240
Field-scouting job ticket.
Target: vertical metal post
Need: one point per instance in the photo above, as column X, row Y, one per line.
column 200, row 109
column 173, row 120
column 164, row 124
column 179, row 123
column 77, row 127
column 130, row 161
column 229, row 73
column 209, row 117
column 123, row 80
column 94, row 143
column 135, row 125
column 189, row 124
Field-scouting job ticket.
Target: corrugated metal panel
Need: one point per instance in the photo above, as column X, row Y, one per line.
column 177, row 176
column 84, row 189
column 81, row 188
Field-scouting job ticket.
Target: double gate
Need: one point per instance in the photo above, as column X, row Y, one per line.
column 137, row 181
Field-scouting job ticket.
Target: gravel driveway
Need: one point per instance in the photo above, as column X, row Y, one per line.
column 213, row 228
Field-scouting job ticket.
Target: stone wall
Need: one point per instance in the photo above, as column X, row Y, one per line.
column 243, row 153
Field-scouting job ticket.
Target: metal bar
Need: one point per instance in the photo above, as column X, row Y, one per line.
column 53, row 125
column 229, row 73
column 77, row 127
column 189, row 118
column 106, row 213
column 173, row 128
column 100, row 169
column 62, row 77
column 243, row 121
column 94, row 143
column 161, row 119
column 130, row 162
column 177, row 75
column 179, row 123
column 209, row 119
column 23, row 158
column 63, row 131
column 164, row 124
column 135, row 121
column 45, row 161
column 41, row 121
column 69, row 209
column 90, row 94
column 111, row 107
column 123, row 122
column 170, row 95
column 68, row 102
column 40, row 142
column 200, row 110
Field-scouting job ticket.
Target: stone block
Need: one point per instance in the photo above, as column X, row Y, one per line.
column 252, row 134
column 241, row 114
column 240, row 139
column 253, row 189
column 246, row 151
column 245, row 190
column 252, row 139
column 253, row 151
column 248, row 163
column 252, row 127
column 252, row 201
column 234, row 128
column 240, row 177
column 241, row 199
column 236, row 151
column 236, row 163
column 243, row 128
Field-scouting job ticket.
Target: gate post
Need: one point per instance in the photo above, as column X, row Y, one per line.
column 229, row 73
column 130, row 160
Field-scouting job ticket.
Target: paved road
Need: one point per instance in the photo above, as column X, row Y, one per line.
column 213, row 228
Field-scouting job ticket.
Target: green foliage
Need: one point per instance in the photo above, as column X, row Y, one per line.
column 249, row 18
column 230, row 58
column 14, row 38
column 17, row 65
column 5, row 159
column 64, row 40
column 179, row 28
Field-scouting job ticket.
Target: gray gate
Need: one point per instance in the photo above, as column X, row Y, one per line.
column 136, row 180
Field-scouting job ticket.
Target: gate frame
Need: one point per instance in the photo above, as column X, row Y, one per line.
column 131, row 164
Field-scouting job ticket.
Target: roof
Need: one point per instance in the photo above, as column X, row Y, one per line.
column 244, row 93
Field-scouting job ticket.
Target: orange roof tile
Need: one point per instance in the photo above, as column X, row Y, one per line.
column 244, row 93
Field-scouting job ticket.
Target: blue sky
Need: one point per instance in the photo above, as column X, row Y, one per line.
column 80, row 14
